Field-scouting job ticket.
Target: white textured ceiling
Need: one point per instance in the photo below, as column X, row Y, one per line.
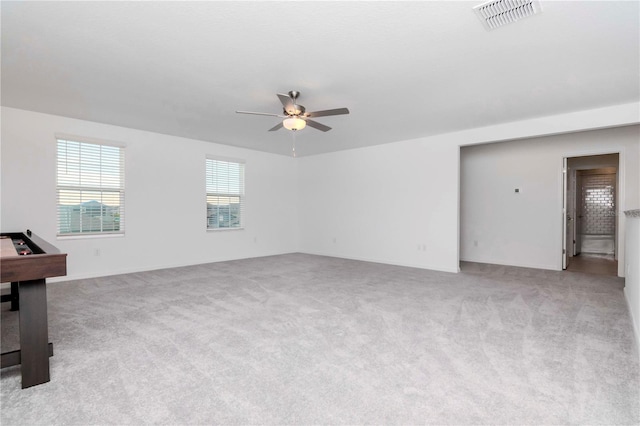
column 404, row 69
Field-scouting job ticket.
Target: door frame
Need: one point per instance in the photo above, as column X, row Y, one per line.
column 620, row 198
column 565, row 212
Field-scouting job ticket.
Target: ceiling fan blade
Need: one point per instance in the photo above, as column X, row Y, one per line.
column 258, row 113
column 276, row 127
column 318, row 126
column 287, row 103
column 326, row 112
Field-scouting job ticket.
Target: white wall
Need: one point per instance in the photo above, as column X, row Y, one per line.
column 525, row 229
column 382, row 203
column 165, row 197
column 632, row 280
column 394, row 203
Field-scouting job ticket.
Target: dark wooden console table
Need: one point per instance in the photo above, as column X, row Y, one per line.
column 26, row 261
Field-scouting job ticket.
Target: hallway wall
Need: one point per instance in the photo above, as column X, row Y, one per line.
column 499, row 225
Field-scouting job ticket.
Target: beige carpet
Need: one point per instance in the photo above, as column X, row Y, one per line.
column 301, row 339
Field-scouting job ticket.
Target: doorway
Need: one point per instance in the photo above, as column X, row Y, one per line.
column 591, row 222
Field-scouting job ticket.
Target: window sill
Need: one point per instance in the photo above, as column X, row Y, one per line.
column 224, row 229
column 87, row 236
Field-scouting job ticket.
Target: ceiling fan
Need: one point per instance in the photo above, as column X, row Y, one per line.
column 295, row 116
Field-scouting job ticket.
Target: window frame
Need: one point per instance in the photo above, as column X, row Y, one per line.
column 241, row 195
column 118, row 190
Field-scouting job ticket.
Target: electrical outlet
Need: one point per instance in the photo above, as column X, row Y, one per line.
column 96, row 252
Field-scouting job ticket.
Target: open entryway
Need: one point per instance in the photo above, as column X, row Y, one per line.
column 590, row 237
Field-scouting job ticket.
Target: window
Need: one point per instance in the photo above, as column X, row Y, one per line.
column 225, row 194
column 90, row 188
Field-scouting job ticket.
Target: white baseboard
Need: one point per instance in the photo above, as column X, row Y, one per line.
column 517, row 264
column 635, row 322
column 430, row 267
column 72, row 277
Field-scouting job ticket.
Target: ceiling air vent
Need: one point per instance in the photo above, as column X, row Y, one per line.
column 497, row 13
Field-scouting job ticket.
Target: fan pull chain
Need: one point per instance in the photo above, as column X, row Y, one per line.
column 293, row 145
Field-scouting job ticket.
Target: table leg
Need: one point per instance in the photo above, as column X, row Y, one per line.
column 34, row 333
column 15, row 296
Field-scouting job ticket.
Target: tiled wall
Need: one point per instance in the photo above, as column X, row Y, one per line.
column 599, row 195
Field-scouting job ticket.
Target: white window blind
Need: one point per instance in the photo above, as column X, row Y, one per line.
column 225, row 194
column 90, row 188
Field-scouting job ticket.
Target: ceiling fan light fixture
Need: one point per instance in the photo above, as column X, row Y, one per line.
column 294, row 123
column 295, row 116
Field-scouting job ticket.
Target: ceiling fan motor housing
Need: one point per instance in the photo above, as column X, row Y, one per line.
column 295, row 110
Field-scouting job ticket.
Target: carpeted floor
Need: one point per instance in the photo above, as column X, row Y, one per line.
column 301, row 339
